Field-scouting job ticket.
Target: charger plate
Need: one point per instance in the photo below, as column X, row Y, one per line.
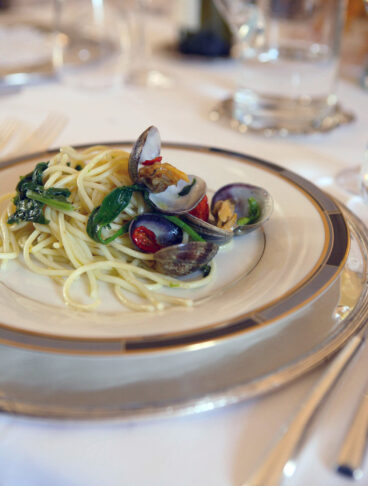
column 294, row 295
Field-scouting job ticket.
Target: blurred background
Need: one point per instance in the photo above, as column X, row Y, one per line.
column 200, row 28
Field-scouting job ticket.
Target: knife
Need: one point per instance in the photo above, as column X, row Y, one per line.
column 278, row 462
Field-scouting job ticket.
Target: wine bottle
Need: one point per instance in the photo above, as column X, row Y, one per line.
column 202, row 31
column 4, row 4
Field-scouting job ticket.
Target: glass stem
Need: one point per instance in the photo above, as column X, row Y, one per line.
column 142, row 45
column 57, row 52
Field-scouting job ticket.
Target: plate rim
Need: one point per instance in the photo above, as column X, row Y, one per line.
column 334, row 250
column 327, row 348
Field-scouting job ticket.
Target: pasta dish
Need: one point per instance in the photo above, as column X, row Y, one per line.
column 106, row 215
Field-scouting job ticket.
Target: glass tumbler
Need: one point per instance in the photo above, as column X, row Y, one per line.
column 290, row 55
column 91, row 43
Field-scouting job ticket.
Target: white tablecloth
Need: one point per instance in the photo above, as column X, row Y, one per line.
column 217, row 448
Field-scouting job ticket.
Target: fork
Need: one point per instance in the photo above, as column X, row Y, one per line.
column 22, row 140
column 7, row 130
column 42, row 137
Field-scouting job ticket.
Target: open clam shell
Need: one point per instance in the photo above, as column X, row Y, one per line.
column 178, row 260
column 208, row 231
column 171, row 202
column 239, row 195
column 147, row 147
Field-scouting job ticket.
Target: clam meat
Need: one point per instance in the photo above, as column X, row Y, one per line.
column 244, row 207
column 169, row 189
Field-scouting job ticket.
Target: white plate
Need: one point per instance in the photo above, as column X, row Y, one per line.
column 261, row 277
column 290, row 311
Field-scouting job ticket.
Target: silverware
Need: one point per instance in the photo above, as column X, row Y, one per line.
column 351, row 455
column 7, row 130
column 31, row 141
column 278, row 463
column 42, row 137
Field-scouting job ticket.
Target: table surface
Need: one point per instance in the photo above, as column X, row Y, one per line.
column 218, row 448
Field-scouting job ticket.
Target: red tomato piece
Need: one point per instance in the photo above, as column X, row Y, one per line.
column 152, row 161
column 201, row 211
column 145, row 239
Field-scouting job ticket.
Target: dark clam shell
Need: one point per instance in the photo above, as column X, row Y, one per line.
column 239, row 194
column 209, row 231
column 166, row 232
column 147, row 147
column 186, row 258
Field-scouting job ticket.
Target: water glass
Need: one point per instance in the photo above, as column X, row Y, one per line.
column 289, row 51
column 92, row 43
column 26, row 41
column 364, row 178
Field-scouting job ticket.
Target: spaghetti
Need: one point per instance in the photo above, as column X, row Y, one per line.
column 62, row 249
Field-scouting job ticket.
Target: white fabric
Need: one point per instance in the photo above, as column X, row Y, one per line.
column 217, row 448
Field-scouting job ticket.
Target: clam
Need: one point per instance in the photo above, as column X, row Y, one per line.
column 209, row 231
column 153, row 233
column 150, row 232
column 239, row 194
column 184, row 258
column 147, row 147
column 171, row 202
column 177, row 198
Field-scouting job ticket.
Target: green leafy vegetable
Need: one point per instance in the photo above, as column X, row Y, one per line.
column 112, row 205
column 27, row 210
column 147, row 200
column 37, row 174
column 254, row 212
column 186, row 189
column 31, row 180
column 54, row 197
column 60, row 193
column 31, row 197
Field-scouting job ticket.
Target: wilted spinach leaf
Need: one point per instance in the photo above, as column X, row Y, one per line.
column 31, row 197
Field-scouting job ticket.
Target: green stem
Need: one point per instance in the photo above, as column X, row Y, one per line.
column 185, row 227
column 243, row 221
column 124, row 229
column 54, row 203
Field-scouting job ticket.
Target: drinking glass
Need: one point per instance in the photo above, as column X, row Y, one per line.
column 92, row 43
column 141, row 70
column 363, row 177
column 355, row 179
column 26, row 42
column 364, row 80
column 289, row 51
